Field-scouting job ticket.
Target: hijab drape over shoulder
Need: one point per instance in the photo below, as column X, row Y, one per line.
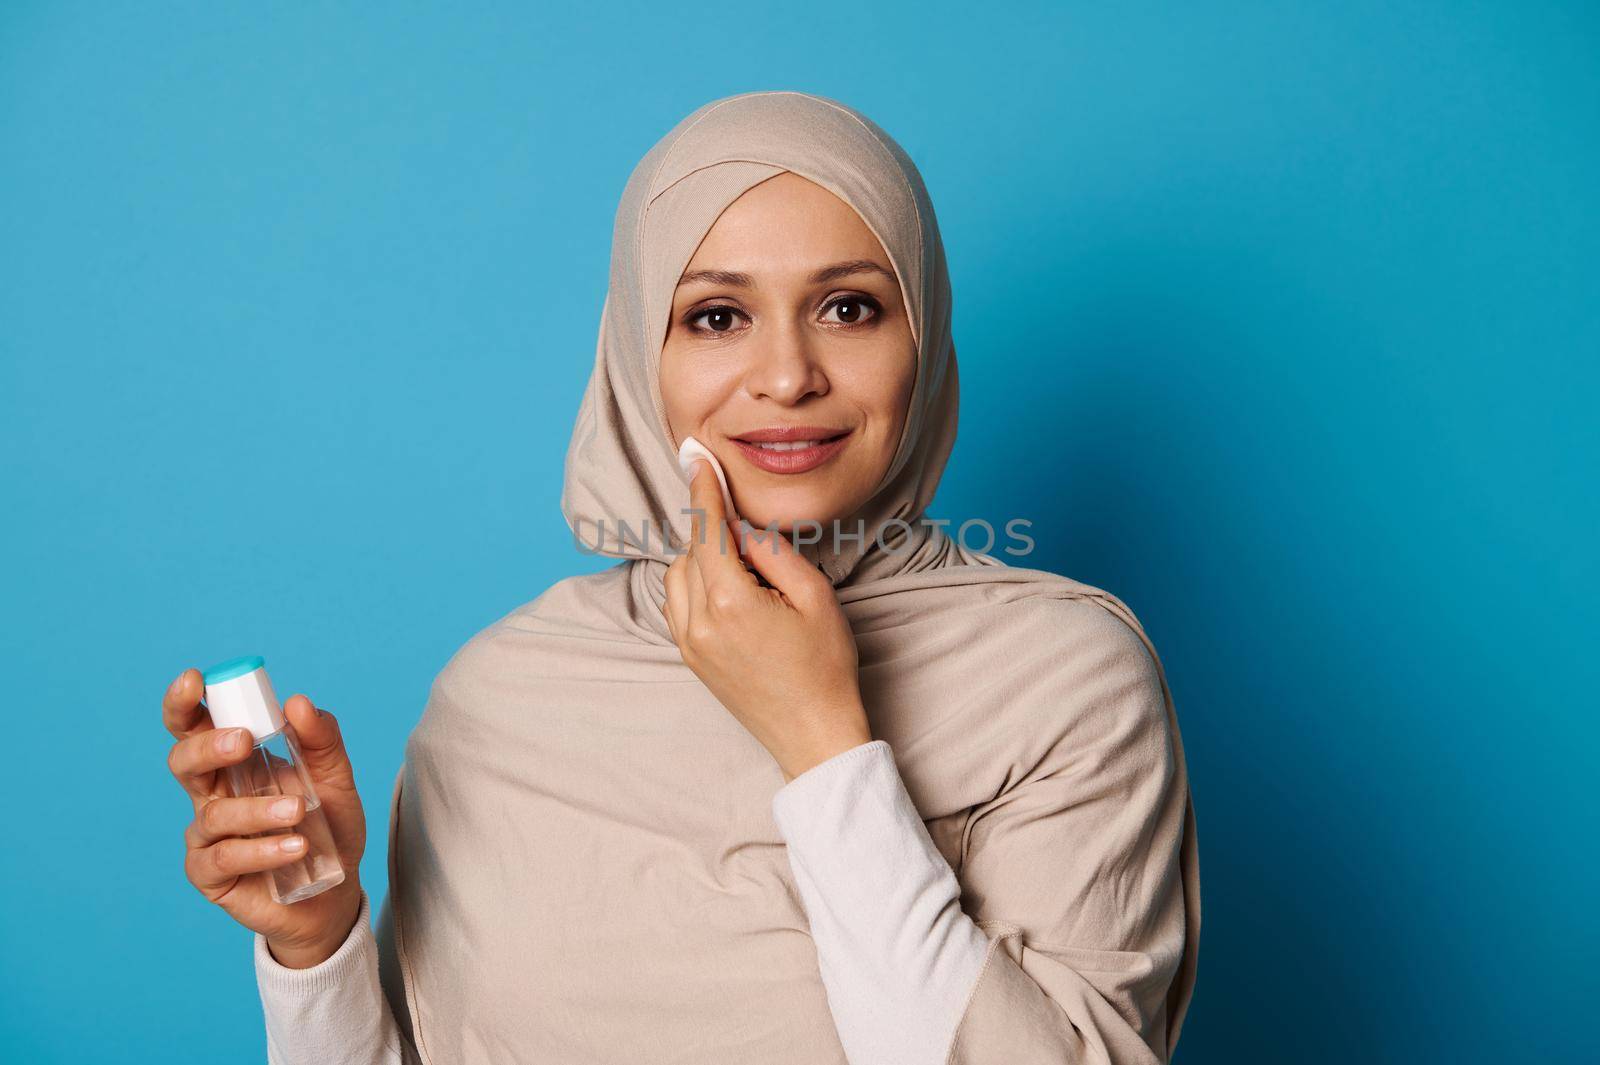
column 583, row 862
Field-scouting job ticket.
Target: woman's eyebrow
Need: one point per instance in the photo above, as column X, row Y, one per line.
column 734, row 279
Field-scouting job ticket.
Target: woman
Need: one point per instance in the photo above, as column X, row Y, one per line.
column 766, row 798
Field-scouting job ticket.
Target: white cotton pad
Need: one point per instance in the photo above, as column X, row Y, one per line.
column 692, row 449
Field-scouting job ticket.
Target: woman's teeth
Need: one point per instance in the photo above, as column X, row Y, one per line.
column 790, row 445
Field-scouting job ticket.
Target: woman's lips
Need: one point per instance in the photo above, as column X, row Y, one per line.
column 792, row 459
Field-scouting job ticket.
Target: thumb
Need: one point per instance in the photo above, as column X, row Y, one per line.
column 322, row 748
column 772, row 555
column 321, row 744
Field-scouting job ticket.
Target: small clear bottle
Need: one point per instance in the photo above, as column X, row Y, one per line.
column 239, row 695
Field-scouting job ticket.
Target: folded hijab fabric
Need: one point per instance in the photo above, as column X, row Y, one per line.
column 584, row 865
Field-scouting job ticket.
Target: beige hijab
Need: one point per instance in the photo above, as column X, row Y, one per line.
column 583, row 862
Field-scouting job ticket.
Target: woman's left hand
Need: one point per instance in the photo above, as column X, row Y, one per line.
column 781, row 659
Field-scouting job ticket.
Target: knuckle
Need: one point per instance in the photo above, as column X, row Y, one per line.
column 214, row 816
column 198, row 864
column 724, row 599
column 178, row 759
column 224, row 857
column 806, row 596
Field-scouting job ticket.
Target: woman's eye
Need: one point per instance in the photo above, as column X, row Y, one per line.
column 722, row 319
column 853, row 310
column 719, row 320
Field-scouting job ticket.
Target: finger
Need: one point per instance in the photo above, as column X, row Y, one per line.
column 713, row 545
column 747, row 544
column 694, row 592
column 222, row 817
column 196, row 759
column 215, row 868
column 787, row 570
column 698, row 514
column 708, row 517
column 181, row 709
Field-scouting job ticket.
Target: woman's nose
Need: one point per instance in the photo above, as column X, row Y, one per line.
column 785, row 368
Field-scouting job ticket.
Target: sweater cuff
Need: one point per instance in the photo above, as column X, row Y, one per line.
column 825, row 775
column 339, row 969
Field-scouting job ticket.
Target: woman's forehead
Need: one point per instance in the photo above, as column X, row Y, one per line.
column 785, row 228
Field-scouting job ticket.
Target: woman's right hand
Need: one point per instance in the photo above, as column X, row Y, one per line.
column 228, row 868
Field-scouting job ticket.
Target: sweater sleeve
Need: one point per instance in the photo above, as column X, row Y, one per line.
column 332, row 1011
column 1061, row 941
column 897, row 956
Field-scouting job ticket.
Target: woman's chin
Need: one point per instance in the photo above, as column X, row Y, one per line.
column 807, row 518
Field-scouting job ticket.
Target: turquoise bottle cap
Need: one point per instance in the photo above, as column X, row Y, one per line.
column 233, row 667
column 239, row 695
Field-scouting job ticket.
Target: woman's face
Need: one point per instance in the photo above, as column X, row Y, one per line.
column 788, row 327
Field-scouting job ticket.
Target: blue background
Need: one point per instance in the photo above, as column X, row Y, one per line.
column 1280, row 322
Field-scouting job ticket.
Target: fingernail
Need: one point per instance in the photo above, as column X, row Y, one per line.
column 284, row 808
column 229, row 743
column 293, row 843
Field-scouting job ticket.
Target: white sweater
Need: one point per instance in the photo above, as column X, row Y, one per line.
column 897, row 955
